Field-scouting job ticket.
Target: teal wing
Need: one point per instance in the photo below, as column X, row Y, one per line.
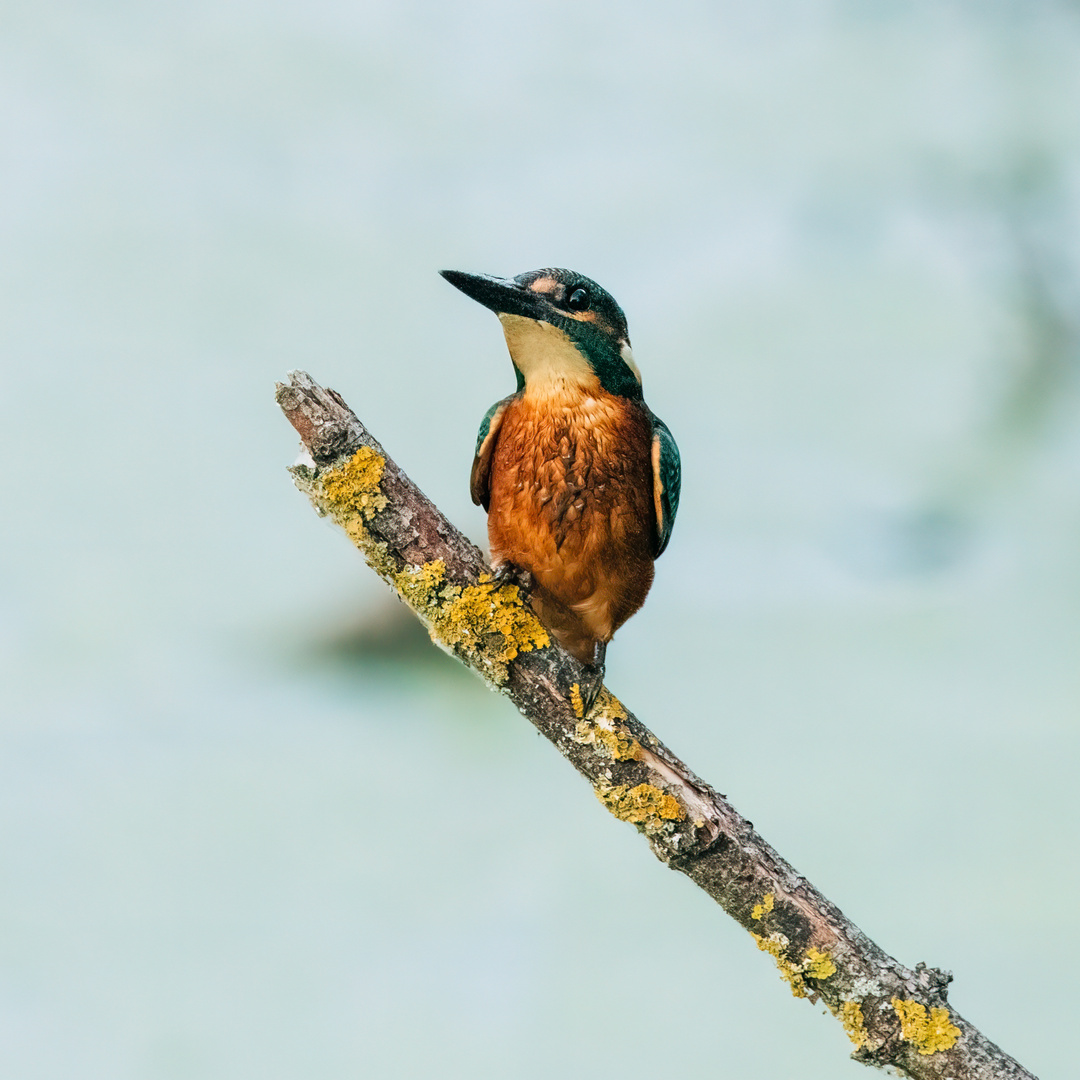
column 667, row 480
column 480, row 480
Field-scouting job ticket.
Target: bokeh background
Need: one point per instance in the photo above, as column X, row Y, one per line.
column 251, row 823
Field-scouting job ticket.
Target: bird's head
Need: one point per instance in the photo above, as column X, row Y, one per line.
column 560, row 327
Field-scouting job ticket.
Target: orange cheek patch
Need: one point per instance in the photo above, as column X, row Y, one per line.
column 545, row 285
column 588, row 316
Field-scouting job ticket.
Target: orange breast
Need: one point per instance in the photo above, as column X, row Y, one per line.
column 571, row 502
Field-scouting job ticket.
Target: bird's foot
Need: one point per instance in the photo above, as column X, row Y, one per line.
column 592, row 681
column 508, row 574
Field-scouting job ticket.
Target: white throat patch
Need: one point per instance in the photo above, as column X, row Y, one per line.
column 627, row 355
column 545, row 355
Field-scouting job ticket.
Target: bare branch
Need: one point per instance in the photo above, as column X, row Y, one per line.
column 894, row 1015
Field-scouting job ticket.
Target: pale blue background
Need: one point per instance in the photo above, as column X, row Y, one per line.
column 238, row 837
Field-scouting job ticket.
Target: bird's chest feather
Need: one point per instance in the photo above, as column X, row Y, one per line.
column 571, row 482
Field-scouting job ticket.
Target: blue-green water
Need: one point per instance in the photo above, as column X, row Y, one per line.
column 243, row 833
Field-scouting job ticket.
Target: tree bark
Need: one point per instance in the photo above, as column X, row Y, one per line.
column 895, row 1016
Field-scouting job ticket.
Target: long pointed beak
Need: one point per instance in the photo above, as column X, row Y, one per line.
column 501, row 295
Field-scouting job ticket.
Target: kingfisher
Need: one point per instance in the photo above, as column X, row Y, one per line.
column 579, row 477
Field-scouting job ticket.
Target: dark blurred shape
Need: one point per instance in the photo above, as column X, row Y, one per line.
column 924, row 542
column 386, row 638
column 1029, row 210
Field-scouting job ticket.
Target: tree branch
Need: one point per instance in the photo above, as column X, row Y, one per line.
column 893, row 1015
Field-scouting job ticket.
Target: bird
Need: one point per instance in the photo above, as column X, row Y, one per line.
column 579, row 477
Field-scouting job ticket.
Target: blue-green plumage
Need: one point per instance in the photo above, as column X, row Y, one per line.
column 485, row 440
column 667, row 474
column 579, row 477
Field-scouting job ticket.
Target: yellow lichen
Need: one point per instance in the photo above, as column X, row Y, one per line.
column 607, row 707
column 643, row 805
column 416, row 583
column 492, row 618
column 776, row 946
column 818, row 964
column 602, row 728
column 616, row 744
column 576, row 702
column 354, row 486
column 487, row 623
column 773, row 944
column 815, row 965
column 929, row 1032
column 764, row 907
column 852, row 1018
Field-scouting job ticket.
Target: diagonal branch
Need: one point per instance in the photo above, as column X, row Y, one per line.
column 895, row 1016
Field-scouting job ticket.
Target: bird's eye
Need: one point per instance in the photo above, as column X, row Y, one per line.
column 578, row 300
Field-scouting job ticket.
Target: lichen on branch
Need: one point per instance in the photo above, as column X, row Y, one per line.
column 487, row 624
column 929, row 1030
column 894, row 1015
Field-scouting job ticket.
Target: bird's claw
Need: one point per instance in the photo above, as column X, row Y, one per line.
column 508, row 574
column 592, row 681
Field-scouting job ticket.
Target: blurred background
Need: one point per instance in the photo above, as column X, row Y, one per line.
column 251, row 823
